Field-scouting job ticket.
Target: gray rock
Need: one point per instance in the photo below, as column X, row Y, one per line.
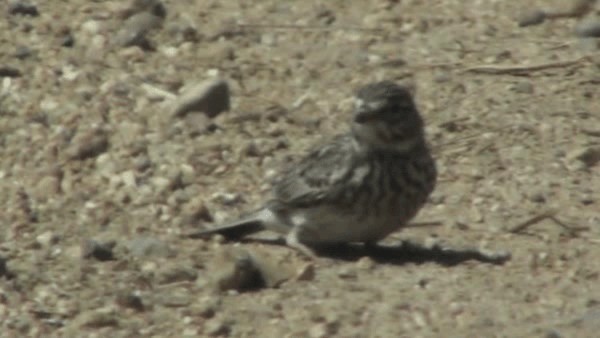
column 588, row 156
column 236, row 270
column 208, row 306
column 149, row 247
column 217, row 327
column 87, row 144
column 135, row 29
column 531, row 18
column 240, row 270
column 588, row 44
column 47, row 187
column 21, row 7
column 210, row 97
column 183, row 31
column 3, row 268
column 96, row 319
column 589, row 28
column 155, row 7
column 195, row 211
column 101, row 251
column 173, row 299
column 176, row 273
column 306, row 272
column 23, row 52
column 47, row 239
column 523, row 87
column 131, row 300
column 8, row 71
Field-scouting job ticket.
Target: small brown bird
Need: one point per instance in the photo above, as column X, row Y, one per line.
column 359, row 187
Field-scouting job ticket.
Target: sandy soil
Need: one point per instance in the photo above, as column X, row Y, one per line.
column 98, row 181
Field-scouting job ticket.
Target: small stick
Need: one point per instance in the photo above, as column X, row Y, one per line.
column 184, row 283
column 551, row 214
column 571, row 229
column 519, row 69
column 535, row 219
column 590, row 132
column 426, row 66
column 423, row 224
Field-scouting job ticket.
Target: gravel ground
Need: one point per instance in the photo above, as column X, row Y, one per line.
column 107, row 160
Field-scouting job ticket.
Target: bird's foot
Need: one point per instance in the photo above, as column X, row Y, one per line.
column 293, row 242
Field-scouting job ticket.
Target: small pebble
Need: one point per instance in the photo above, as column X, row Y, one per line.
column 537, row 197
column 217, row 327
column 154, row 7
column 207, row 307
column 366, row 263
column 588, row 156
column 235, row 269
column 100, row 251
column 135, row 30
column 8, row 71
column 196, row 211
column 46, row 188
column 589, row 28
column 210, row 97
column 3, row 268
column 23, row 52
column 97, row 319
column 306, row 272
column 47, row 239
column 523, row 87
column 149, row 247
column 22, row 7
column 442, row 77
column 86, row 144
column 531, row 18
column 174, row 273
column 131, row 300
column 347, row 273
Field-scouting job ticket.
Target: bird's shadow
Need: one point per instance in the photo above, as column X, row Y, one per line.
column 406, row 252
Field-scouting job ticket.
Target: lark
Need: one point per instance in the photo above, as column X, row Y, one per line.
column 358, row 187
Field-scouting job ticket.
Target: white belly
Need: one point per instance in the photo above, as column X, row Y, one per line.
column 326, row 225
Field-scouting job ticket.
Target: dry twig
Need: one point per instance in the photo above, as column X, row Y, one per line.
column 550, row 214
column 423, row 224
column 522, row 70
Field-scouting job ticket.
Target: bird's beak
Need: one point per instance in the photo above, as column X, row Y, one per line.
column 365, row 112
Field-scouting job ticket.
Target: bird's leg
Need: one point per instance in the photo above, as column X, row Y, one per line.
column 293, row 241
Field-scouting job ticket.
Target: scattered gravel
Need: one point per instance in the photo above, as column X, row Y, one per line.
column 125, row 126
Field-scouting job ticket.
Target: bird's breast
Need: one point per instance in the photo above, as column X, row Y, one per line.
column 379, row 197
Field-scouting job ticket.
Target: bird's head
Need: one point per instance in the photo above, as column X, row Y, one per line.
column 386, row 118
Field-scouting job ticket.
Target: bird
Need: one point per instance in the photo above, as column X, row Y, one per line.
column 358, row 187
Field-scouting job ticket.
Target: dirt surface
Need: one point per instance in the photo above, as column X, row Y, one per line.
column 98, row 179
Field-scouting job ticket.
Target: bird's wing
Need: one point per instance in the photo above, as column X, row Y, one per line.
column 317, row 177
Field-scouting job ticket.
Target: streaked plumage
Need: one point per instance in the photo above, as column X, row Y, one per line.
column 359, row 187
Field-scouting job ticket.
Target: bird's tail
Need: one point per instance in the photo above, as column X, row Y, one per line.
column 234, row 230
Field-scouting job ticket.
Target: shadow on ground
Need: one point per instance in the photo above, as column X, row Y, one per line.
column 405, row 252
